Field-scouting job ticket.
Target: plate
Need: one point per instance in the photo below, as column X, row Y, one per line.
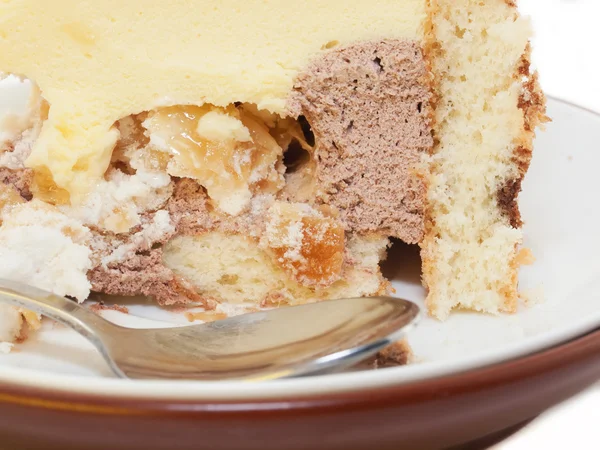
column 485, row 366
column 429, row 414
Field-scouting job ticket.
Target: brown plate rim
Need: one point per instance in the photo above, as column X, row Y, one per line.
column 582, row 351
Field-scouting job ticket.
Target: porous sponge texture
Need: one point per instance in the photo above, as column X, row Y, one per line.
column 469, row 252
column 235, row 269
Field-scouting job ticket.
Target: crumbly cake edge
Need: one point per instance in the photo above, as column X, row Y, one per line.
column 532, row 103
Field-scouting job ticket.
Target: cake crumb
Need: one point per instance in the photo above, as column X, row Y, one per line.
column 397, row 354
column 533, row 296
column 6, row 347
column 205, row 316
column 99, row 307
column 525, row 257
column 32, row 319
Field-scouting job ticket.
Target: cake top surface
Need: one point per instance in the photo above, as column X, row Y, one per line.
column 98, row 61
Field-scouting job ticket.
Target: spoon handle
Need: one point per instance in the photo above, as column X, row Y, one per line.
column 55, row 307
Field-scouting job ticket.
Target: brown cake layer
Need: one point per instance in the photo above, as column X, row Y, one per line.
column 368, row 105
column 142, row 272
column 190, row 209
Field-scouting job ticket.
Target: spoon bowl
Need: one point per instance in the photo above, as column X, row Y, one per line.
column 287, row 342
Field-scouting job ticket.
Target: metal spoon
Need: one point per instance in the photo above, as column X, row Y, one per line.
column 280, row 343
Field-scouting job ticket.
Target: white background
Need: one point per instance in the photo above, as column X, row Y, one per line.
column 567, row 48
column 567, row 54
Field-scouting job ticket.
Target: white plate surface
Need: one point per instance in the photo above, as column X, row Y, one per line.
column 559, row 207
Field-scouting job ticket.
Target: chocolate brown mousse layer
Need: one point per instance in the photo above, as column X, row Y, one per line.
column 191, row 213
column 140, row 270
column 368, row 106
column 143, row 273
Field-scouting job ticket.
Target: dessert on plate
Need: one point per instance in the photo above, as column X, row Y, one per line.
column 265, row 153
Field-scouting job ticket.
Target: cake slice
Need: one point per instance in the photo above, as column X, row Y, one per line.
column 264, row 153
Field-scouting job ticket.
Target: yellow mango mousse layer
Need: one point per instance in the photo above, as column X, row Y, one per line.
column 97, row 61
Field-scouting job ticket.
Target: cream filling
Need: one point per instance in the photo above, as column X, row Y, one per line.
column 44, row 248
column 99, row 61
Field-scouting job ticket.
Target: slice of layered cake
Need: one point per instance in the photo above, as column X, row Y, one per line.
column 264, row 153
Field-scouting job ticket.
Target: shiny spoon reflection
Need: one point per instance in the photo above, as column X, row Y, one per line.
column 287, row 342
